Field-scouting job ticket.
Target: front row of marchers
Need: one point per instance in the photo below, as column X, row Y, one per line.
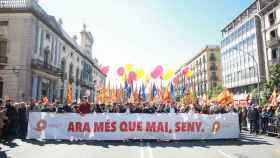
column 14, row 116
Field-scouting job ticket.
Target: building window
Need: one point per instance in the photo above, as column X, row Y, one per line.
column 4, row 23
column 271, row 18
column 213, row 67
column 48, row 36
column 214, row 76
column 274, row 53
column 46, row 57
column 63, row 65
column 212, row 57
column 204, row 59
column 273, row 34
column 41, row 43
column 64, row 48
column 77, row 75
column 71, row 73
column 3, row 48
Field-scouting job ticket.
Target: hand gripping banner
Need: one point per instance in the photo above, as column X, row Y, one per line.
column 113, row 126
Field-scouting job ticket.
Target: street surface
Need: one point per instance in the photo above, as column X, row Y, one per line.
column 248, row 146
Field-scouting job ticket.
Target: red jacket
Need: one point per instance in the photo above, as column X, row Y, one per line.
column 84, row 108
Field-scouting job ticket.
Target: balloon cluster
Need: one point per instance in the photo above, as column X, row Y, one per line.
column 130, row 74
column 127, row 73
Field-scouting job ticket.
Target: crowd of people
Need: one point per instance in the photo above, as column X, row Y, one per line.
column 14, row 116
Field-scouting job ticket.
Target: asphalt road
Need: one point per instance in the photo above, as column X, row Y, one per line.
column 249, row 146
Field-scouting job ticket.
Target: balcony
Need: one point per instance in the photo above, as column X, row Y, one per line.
column 3, row 60
column 274, row 61
column 47, row 68
column 273, row 42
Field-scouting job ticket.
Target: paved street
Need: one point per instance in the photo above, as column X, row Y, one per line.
column 248, row 147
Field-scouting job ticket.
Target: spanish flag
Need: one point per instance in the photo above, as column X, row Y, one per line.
column 224, row 98
column 69, row 99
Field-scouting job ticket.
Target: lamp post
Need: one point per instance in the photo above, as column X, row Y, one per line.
column 258, row 73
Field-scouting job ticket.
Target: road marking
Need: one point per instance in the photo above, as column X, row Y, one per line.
column 141, row 150
column 225, row 154
column 151, row 155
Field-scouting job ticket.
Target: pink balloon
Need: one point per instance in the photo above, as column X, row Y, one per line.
column 105, row 70
column 154, row 74
column 185, row 70
column 159, row 69
column 120, row 71
column 132, row 76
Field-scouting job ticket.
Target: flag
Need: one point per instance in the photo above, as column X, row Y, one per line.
column 225, row 98
column 172, row 92
column 160, row 93
column 274, row 98
column 69, row 98
column 154, row 91
column 135, row 95
column 166, row 96
column 183, row 91
column 142, row 93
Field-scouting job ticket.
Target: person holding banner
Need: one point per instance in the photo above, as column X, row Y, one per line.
column 84, row 107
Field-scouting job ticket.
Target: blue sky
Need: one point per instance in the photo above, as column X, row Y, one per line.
column 147, row 33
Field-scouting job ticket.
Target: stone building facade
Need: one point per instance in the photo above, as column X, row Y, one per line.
column 38, row 58
column 206, row 67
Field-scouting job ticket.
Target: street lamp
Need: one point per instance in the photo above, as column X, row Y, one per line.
column 258, row 73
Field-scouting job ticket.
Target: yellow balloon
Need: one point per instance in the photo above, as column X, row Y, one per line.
column 190, row 73
column 123, row 77
column 168, row 75
column 139, row 73
column 128, row 68
column 147, row 77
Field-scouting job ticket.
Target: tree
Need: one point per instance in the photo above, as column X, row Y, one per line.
column 274, row 81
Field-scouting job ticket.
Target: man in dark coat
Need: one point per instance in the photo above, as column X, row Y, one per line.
column 12, row 124
column 22, row 120
column 253, row 116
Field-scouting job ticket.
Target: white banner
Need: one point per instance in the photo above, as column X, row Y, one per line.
column 113, row 126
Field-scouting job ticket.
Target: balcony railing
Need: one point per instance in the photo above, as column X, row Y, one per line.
column 47, row 68
column 273, row 42
column 274, row 61
column 3, row 60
